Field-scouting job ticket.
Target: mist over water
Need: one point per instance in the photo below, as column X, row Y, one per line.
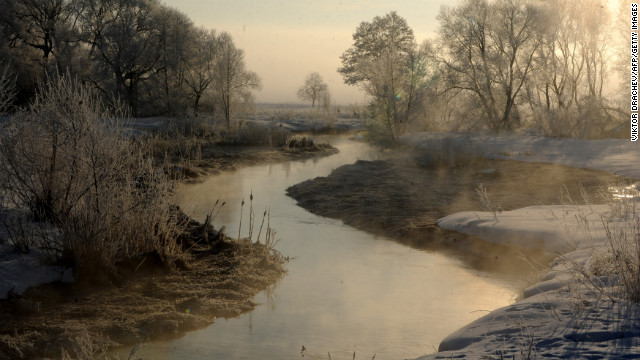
column 346, row 290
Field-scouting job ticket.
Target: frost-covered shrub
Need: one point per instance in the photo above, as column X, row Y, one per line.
column 591, row 118
column 622, row 259
column 66, row 160
column 7, row 88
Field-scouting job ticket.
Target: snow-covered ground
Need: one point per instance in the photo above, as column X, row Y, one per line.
column 301, row 120
column 570, row 313
column 20, row 271
column 293, row 119
column 617, row 156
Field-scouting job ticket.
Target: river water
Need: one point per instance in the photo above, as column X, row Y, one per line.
column 345, row 291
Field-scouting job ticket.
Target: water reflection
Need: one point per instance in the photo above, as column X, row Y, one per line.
column 625, row 191
column 346, row 290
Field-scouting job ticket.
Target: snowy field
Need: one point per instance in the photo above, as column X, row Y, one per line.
column 295, row 119
column 617, row 156
column 20, row 270
column 570, row 313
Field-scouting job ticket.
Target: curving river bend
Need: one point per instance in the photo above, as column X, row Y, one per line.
column 346, row 290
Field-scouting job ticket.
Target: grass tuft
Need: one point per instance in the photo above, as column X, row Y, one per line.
column 66, row 161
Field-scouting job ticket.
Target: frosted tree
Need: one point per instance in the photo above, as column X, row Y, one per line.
column 177, row 44
column 314, row 89
column 200, row 67
column 387, row 64
column 124, row 38
column 490, row 49
column 233, row 82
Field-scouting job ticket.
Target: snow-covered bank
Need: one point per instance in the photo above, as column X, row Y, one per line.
column 618, row 156
column 560, row 317
column 571, row 312
column 18, row 272
column 552, row 228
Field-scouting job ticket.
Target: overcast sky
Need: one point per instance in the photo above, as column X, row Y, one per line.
column 284, row 40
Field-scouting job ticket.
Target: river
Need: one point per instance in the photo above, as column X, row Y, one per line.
column 346, row 290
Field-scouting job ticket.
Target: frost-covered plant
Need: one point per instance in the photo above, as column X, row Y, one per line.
column 7, row 88
column 624, row 256
column 486, row 204
column 66, row 160
column 614, row 270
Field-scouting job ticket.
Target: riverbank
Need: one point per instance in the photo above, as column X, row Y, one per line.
column 46, row 311
column 559, row 316
column 218, row 158
column 404, row 195
column 193, row 158
column 193, row 148
column 583, row 304
column 580, row 307
column 149, row 300
column 345, row 290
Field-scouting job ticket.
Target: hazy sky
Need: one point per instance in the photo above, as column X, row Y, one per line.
column 284, row 40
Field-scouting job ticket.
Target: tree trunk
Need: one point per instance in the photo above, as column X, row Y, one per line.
column 196, row 103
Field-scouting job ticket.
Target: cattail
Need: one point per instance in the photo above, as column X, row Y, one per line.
column 240, row 225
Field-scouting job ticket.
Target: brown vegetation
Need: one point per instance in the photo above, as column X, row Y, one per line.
column 150, row 301
column 192, row 155
column 404, row 196
column 142, row 268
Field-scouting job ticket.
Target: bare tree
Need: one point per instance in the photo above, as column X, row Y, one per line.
column 145, row 53
column 124, row 40
column 566, row 92
column 177, row 44
column 38, row 23
column 7, row 88
column 595, row 44
column 201, row 65
column 490, row 52
column 40, row 36
column 559, row 62
column 623, row 37
column 232, row 81
column 314, row 88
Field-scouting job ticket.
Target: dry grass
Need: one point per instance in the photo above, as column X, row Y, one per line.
column 488, row 205
column 65, row 160
column 592, row 118
column 250, row 134
column 449, row 153
column 7, row 88
column 613, row 271
column 219, row 280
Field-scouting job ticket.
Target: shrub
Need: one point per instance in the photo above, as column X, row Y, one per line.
column 255, row 135
column 590, row 118
column 614, row 269
column 67, row 161
column 7, row 89
column 622, row 259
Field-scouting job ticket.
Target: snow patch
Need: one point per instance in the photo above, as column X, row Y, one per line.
column 618, row 156
column 18, row 272
column 558, row 317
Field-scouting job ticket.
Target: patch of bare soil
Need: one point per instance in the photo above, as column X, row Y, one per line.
column 150, row 300
column 403, row 197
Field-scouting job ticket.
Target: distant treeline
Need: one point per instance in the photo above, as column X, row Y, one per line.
column 498, row 64
column 150, row 56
